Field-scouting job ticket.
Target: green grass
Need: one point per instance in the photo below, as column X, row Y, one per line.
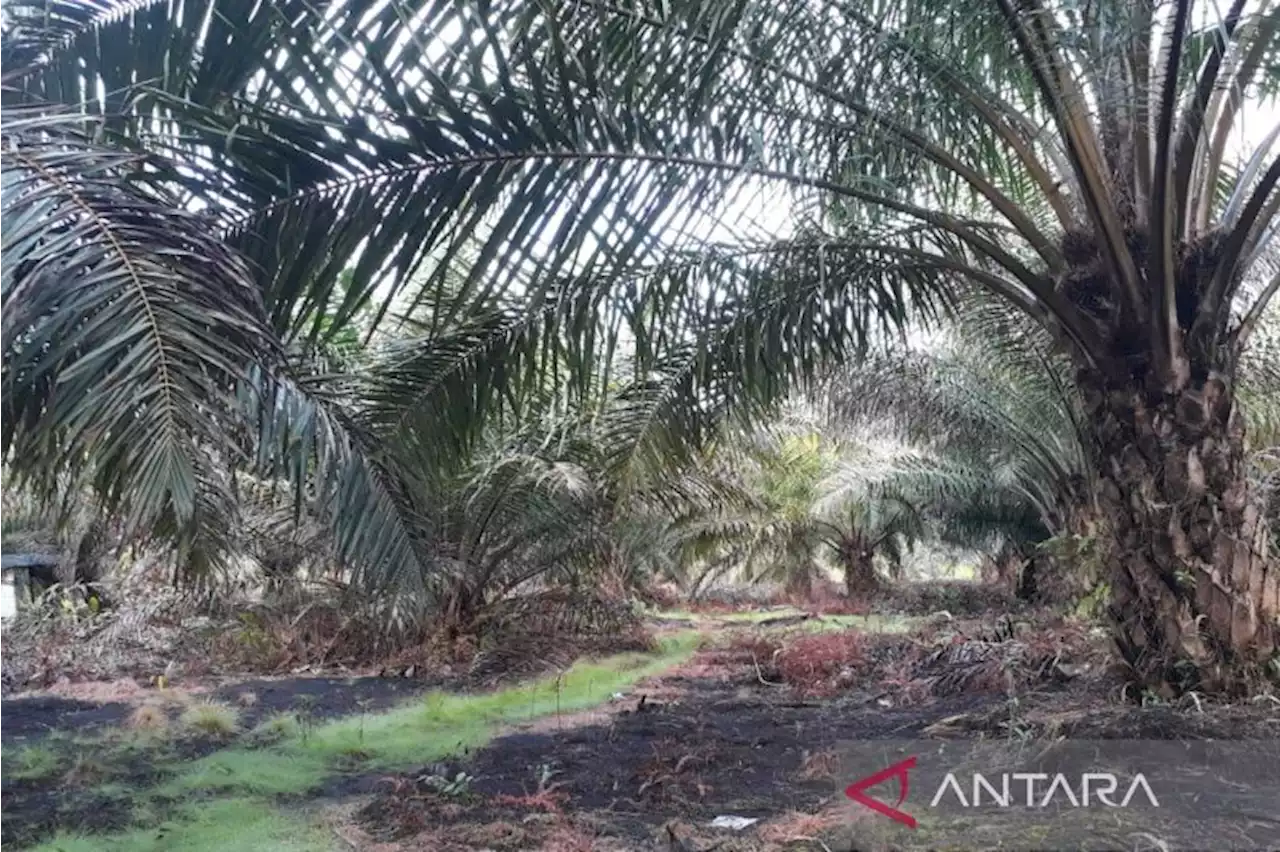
column 745, row 616
column 868, row 623
column 277, row 727
column 427, row 729
column 33, row 762
column 224, row 825
column 235, row 784
column 211, row 718
column 865, row 623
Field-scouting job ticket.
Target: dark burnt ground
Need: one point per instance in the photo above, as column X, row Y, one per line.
column 27, row 719
column 717, row 750
column 95, row 772
column 30, row 718
column 724, row 747
column 321, row 697
column 33, row 815
column 732, row 745
column 87, row 791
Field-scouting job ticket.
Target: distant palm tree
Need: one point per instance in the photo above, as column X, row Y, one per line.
column 802, row 504
column 596, row 167
column 1005, row 459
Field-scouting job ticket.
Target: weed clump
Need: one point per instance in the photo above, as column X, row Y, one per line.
column 211, row 719
column 86, row 771
column 280, row 726
column 32, row 763
column 149, row 718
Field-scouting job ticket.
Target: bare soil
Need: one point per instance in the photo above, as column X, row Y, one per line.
column 31, row 717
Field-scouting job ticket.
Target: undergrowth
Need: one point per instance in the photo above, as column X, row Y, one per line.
column 231, row 788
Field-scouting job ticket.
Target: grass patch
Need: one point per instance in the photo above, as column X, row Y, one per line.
column 225, row 825
column 865, row 623
column 750, row 616
column 242, row 780
column 753, row 616
column 33, row 762
column 278, row 726
column 265, row 772
column 428, row 729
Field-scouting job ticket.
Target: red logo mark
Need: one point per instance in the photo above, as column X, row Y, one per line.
column 899, row 771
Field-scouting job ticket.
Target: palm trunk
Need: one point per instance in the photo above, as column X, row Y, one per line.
column 860, row 580
column 1195, row 594
column 1006, row 568
column 800, row 585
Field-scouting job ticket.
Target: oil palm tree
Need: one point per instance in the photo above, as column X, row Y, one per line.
column 793, row 505
column 599, row 167
column 1005, row 452
column 768, row 532
column 1003, row 459
column 865, row 527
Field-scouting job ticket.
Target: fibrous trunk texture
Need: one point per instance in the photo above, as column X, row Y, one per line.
column 1196, row 594
column 1006, row 568
column 860, row 578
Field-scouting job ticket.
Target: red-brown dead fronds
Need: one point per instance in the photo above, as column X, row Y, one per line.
column 798, row 826
column 813, row 664
column 550, row 801
column 818, row 765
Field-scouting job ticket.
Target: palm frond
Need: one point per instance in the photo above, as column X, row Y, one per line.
column 126, row 325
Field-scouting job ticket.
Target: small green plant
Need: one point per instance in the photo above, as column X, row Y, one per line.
column 363, row 704
column 1094, row 603
column 253, row 641
column 211, row 718
column 279, row 726
column 545, row 774
column 1151, row 698
column 305, row 715
column 1017, row 728
column 453, row 788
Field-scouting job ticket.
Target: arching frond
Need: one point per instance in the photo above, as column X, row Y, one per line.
column 702, row 204
column 126, row 325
